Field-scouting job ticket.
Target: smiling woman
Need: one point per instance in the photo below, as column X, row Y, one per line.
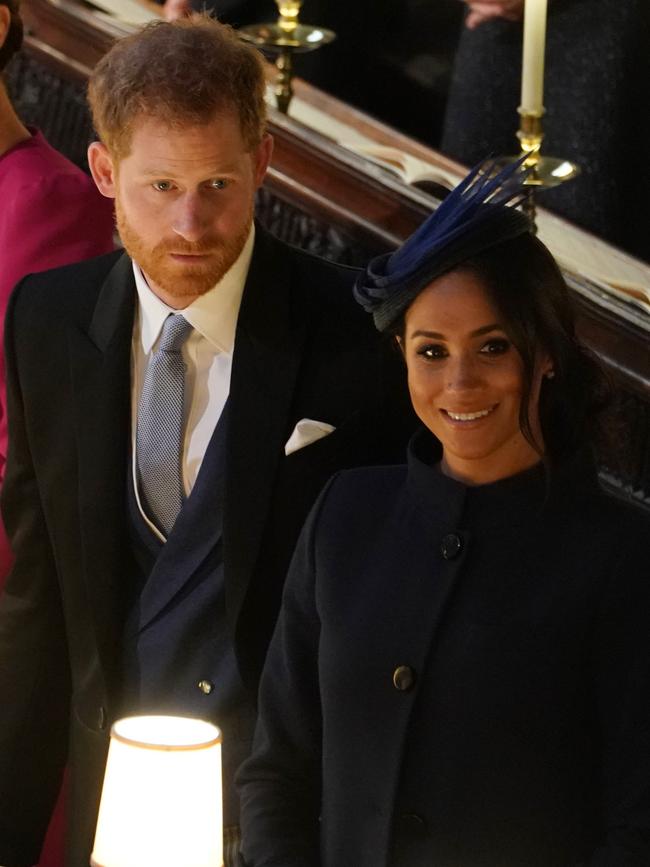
column 466, row 380
column 503, row 337
column 460, row 675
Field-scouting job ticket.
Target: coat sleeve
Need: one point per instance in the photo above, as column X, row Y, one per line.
column 34, row 672
column 621, row 667
column 280, row 785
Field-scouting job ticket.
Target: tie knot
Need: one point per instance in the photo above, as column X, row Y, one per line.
column 175, row 332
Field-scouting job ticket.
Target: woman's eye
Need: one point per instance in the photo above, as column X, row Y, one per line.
column 497, row 346
column 162, row 186
column 432, row 351
column 217, row 184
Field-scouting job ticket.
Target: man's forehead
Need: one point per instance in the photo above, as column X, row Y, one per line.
column 158, row 143
column 165, row 123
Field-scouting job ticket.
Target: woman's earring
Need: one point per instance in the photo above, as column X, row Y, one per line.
column 550, row 374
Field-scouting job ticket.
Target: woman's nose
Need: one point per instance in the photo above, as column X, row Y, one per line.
column 462, row 374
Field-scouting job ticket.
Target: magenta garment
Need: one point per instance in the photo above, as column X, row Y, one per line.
column 51, row 214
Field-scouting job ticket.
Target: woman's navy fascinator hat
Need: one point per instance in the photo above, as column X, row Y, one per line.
column 478, row 214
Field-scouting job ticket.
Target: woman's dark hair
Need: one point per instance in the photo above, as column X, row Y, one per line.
column 526, row 286
column 14, row 38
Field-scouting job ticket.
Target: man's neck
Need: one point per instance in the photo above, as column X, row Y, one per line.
column 12, row 130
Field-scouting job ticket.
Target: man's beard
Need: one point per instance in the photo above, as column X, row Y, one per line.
column 179, row 279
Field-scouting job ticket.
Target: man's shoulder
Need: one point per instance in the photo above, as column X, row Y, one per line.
column 65, row 287
column 311, row 276
column 271, row 244
column 321, row 296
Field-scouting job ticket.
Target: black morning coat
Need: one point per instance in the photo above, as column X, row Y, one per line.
column 303, row 349
column 459, row 677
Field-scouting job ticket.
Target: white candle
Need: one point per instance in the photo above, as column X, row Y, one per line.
column 532, row 77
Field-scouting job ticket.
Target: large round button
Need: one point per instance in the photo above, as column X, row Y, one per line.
column 404, row 678
column 205, row 686
column 451, row 546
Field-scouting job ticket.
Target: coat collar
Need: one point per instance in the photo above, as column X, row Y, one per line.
column 515, row 500
column 112, row 321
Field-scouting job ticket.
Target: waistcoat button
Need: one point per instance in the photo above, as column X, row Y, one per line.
column 205, row 686
column 451, row 546
column 404, row 678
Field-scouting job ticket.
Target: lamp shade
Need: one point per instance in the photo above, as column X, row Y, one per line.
column 161, row 801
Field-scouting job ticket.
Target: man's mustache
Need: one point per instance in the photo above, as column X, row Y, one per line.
column 186, row 248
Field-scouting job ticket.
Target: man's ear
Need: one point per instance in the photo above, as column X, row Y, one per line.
column 262, row 158
column 5, row 20
column 102, row 168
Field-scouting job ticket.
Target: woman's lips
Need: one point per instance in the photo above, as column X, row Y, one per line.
column 466, row 417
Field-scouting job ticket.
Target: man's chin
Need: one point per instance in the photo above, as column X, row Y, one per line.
column 184, row 287
column 179, row 281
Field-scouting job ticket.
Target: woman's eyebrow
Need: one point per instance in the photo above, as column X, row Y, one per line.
column 436, row 335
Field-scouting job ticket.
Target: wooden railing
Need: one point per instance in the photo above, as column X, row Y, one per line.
column 320, row 196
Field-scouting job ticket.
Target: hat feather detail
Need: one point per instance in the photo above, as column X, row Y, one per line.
column 479, row 213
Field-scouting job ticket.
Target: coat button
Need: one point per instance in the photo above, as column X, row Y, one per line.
column 404, row 678
column 205, row 686
column 451, row 546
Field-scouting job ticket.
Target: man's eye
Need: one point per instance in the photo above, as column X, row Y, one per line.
column 498, row 346
column 162, row 186
column 432, row 351
column 217, row 183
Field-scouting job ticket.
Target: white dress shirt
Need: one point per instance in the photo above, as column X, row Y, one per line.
column 207, row 354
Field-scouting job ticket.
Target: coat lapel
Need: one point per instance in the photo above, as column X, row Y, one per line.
column 268, row 351
column 100, row 364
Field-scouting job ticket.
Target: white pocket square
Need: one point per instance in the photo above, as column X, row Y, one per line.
column 307, row 431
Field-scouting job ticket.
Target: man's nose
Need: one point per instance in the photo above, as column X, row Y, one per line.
column 191, row 218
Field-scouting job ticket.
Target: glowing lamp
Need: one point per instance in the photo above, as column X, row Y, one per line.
column 161, row 801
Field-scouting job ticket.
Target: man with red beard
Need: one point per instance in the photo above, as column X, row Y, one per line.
column 174, row 411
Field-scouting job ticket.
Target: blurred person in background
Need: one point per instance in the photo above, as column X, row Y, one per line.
column 597, row 82
column 51, row 214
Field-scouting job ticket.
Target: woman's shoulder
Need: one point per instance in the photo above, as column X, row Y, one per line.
column 605, row 506
column 357, row 509
column 610, row 527
column 355, row 497
column 360, row 481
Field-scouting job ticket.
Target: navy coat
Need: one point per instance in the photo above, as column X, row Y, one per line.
column 460, row 677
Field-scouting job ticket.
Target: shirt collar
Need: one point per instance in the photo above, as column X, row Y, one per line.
column 213, row 315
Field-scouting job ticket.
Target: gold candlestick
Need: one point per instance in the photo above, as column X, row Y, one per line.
column 284, row 38
column 544, row 172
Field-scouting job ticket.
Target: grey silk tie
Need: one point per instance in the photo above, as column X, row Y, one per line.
column 159, row 436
